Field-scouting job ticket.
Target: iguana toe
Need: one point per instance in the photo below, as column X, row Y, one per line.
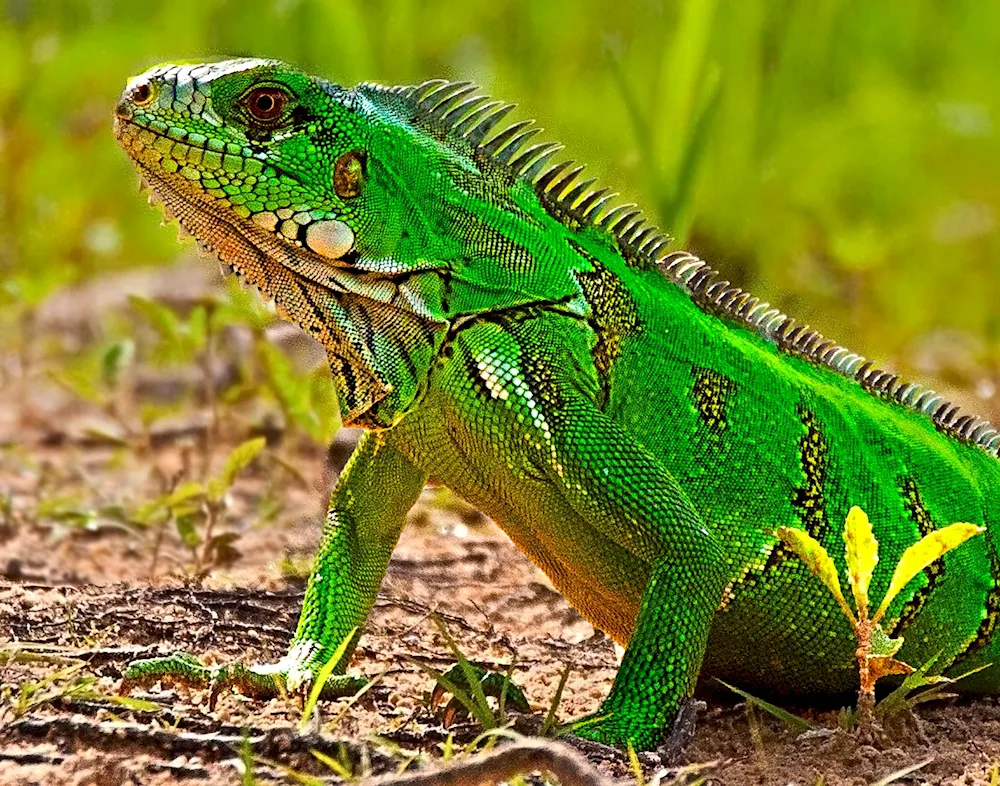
column 292, row 675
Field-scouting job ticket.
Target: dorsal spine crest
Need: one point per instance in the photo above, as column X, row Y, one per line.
column 454, row 109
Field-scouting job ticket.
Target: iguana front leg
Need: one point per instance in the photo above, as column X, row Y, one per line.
column 623, row 491
column 367, row 512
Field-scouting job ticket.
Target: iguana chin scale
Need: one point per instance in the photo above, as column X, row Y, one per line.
column 637, row 426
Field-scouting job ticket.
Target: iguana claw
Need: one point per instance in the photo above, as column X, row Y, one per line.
column 264, row 681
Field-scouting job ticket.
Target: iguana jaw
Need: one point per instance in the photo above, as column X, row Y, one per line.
column 247, row 251
column 236, row 248
column 248, row 247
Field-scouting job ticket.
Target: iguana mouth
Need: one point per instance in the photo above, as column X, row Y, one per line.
column 245, row 248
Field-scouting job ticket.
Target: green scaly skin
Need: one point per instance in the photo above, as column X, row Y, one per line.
column 637, row 428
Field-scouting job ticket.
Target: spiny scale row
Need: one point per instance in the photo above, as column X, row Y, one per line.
column 456, row 109
column 715, row 294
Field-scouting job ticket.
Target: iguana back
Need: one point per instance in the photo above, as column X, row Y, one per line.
column 760, row 432
column 638, row 427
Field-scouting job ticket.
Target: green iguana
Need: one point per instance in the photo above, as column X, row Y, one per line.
column 638, row 426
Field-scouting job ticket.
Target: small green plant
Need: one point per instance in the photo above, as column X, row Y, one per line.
column 307, row 399
column 179, row 341
column 246, row 761
column 906, row 696
column 469, row 684
column 99, row 375
column 67, row 684
column 198, row 509
column 876, row 650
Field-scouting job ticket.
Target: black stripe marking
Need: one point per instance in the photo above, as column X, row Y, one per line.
column 808, row 499
column 814, row 453
column 712, row 392
column 613, row 316
column 984, row 634
column 406, row 357
column 318, row 313
column 934, row 572
column 350, row 378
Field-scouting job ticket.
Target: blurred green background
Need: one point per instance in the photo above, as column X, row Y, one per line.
column 841, row 159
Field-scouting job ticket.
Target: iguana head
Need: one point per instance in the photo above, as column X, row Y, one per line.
column 275, row 153
column 326, row 199
column 372, row 216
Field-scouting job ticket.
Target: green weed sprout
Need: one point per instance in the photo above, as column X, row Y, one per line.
column 470, row 684
column 876, row 650
column 194, row 503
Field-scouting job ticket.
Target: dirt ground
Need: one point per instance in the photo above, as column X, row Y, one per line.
column 78, row 602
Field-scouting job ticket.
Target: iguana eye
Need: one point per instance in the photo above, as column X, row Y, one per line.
column 266, row 103
column 142, row 94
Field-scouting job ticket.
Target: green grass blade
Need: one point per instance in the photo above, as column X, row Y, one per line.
column 899, row 775
column 793, row 722
column 471, row 677
column 246, row 758
column 550, row 717
column 633, row 761
column 337, row 766
column 474, row 708
column 291, row 774
column 899, row 699
column 491, row 736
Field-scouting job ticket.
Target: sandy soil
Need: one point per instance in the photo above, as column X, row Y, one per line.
column 492, row 600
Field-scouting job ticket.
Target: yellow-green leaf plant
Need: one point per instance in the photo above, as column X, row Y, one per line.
column 876, row 649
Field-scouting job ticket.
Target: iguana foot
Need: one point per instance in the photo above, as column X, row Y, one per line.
column 605, row 728
column 493, row 683
column 293, row 675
